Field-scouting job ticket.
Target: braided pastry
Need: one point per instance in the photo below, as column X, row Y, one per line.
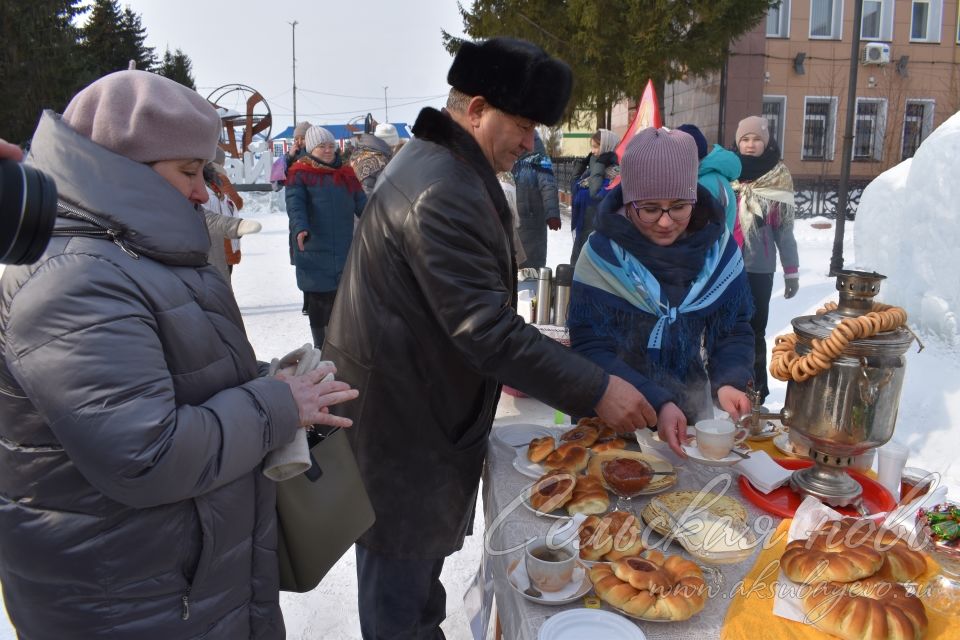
column 609, row 445
column 900, row 562
column 616, row 535
column 674, row 590
column 870, row 610
column 552, row 491
column 589, row 496
column 540, row 448
column 567, row 457
column 821, row 558
column 786, row 364
column 583, row 435
column 595, row 539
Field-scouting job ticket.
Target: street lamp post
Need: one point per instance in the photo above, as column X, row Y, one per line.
column 293, row 26
column 386, row 114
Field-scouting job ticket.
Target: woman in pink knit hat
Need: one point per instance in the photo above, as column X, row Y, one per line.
column 764, row 227
column 660, row 278
column 134, row 416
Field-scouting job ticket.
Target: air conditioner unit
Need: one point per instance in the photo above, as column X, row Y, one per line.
column 876, row 53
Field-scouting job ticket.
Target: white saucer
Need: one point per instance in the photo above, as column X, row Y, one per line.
column 783, row 443
column 577, row 624
column 770, row 430
column 519, row 434
column 517, row 571
column 694, row 454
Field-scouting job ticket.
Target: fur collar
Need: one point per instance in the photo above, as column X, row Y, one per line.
column 439, row 128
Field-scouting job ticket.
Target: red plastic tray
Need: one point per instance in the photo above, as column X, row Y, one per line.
column 784, row 501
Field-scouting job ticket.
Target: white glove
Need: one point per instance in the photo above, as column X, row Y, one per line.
column 300, row 361
column 248, row 226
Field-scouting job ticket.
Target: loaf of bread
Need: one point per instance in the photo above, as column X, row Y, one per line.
column 627, row 535
column 651, row 586
column 552, row 491
column 540, row 448
column 866, row 610
column 568, row 457
column 589, row 496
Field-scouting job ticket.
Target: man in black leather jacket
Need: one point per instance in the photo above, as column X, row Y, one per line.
column 425, row 326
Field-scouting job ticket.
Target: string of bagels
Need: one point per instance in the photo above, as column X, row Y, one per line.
column 786, row 364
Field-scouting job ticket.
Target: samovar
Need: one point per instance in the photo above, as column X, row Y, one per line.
column 850, row 408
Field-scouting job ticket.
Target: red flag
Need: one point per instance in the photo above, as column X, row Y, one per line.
column 648, row 115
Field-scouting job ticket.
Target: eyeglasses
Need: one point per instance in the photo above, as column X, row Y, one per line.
column 651, row 213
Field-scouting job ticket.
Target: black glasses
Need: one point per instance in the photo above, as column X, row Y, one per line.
column 651, row 213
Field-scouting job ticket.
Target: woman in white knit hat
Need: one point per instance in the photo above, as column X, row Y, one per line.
column 660, row 277
column 323, row 198
column 134, row 416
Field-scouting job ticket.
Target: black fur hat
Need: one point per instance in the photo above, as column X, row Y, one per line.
column 515, row 76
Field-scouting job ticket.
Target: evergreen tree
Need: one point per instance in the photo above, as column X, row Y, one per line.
column 177, row 66
column 134, row 36
column 113, row 38
column 39, row 62
column 614, row 46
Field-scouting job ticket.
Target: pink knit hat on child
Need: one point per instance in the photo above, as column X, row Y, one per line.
column 145, row 117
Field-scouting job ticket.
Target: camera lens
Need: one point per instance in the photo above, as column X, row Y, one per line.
column 28, row 210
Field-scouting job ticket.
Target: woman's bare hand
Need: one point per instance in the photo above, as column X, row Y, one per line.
column 314, row 397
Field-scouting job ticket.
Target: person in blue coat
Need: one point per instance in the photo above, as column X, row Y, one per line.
column 661, row 277
column 718, row 168
column 323, row 197
column 538, row 203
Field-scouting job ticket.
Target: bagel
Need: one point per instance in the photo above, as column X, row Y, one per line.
column 651, row 586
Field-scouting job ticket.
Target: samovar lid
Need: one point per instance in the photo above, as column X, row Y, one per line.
column 857, row 290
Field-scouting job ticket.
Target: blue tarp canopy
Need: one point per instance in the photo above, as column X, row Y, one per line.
column 341, row 132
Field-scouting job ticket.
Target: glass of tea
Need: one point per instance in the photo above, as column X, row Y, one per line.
column 915, row 482
column 550, row 563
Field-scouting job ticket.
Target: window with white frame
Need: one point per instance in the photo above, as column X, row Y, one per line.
column 917, row 124
column 925, row 20
column 774, row 109
column 778, row 20
column 877, row 21
column 819, row 128
column 278, row 149
column 826, row 19
column 868, row 129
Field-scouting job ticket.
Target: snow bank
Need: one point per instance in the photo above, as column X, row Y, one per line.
column 908, row 228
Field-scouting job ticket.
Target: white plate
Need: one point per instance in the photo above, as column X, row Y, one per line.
column 694, row 454
column 579, row 624
column 517, row 435
column 579, row 574
column 770, row 430
column 785, row 446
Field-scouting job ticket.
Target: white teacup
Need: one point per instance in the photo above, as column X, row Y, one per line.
column 550, row 564
column 717, row 437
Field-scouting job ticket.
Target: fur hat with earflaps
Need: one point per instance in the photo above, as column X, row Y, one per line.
column 515, row 76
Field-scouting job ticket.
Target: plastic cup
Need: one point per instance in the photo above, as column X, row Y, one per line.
column 891, row 459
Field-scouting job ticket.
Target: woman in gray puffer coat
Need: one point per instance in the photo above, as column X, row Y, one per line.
column 133, row 418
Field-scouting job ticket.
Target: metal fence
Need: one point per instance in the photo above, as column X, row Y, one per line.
column 815, row 197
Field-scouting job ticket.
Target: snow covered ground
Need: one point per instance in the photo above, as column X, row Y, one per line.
column 929, row 417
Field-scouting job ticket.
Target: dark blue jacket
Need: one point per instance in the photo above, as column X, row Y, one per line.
column 322, row 200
